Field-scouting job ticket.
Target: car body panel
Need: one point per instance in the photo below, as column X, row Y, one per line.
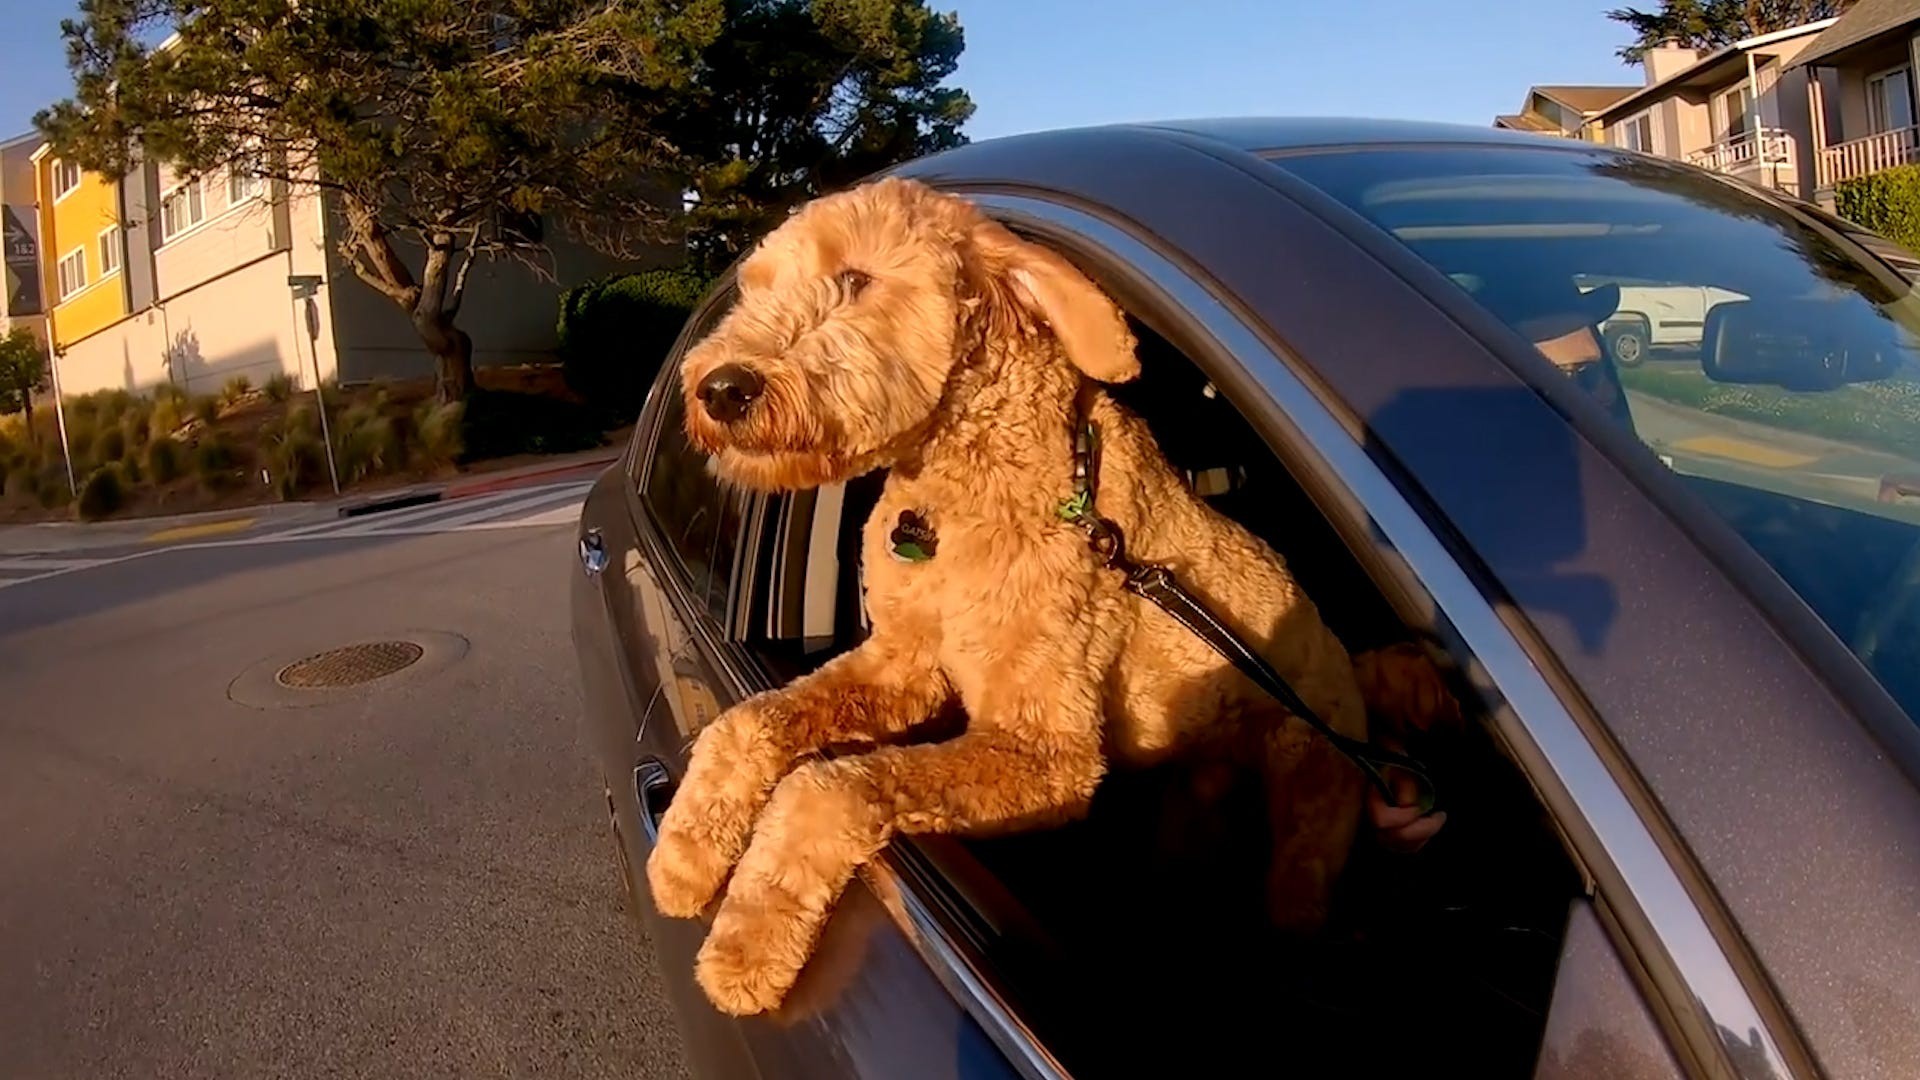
column 1645, row 603
column 1746, row 720
column 650, row 682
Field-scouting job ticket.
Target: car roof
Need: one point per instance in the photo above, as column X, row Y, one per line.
column 1256, row 134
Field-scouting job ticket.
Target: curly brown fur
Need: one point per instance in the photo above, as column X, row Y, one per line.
column 896, row 327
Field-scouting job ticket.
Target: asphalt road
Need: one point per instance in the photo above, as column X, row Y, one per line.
column 409, row 879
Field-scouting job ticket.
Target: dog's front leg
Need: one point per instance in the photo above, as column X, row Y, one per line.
column 829, row 817
column 884, row 686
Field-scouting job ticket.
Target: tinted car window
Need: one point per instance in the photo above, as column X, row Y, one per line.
column 701, row 518
column 1783, row 385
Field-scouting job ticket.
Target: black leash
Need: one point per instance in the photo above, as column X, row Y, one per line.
column 1158, row 585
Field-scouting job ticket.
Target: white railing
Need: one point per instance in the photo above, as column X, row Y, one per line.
column 1747, row 151
column 1863, row 157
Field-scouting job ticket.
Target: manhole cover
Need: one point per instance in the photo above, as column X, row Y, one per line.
column 349, row 666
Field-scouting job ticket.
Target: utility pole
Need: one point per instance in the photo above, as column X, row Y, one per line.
column 60, row 410
column 304, row 287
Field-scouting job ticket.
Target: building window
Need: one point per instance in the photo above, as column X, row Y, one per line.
column 1635, row 133
column 66, row 177
column 243, row 181
column 73, row 272
column 1889, row 100
column 109, row 250
column 1733, row 111
column 182, row 209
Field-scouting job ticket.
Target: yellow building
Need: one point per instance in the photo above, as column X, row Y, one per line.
column 82, row 249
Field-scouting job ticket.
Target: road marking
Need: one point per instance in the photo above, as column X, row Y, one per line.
column 1745, row 452
column 47, row 564
column 195, row 532
column 547, row 505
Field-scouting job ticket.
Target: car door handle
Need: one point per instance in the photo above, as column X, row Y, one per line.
column 653, row 785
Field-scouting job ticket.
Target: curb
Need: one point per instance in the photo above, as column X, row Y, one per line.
column 485, row 486
column 397, row 501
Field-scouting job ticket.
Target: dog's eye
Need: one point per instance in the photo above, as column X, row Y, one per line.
column 853, row 282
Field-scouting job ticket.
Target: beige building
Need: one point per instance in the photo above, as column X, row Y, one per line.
column 1567, row 111
column 1741, row 110
column 164, row 277
column 1861, row 87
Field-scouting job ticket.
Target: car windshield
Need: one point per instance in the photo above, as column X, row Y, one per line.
column 1766, row 358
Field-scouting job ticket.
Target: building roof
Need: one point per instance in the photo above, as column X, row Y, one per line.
column 1524, row 122
column 1865, row 20
column 1585, row 99
column 1723, row 60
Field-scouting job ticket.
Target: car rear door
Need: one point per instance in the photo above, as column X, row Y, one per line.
column 694, row 563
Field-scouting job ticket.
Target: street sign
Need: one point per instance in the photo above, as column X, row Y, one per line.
column 313, row 318
column 303, row 285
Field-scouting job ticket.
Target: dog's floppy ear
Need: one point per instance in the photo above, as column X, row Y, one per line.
column 1089, row 326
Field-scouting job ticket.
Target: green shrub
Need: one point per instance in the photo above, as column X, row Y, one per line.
column 50, row 487
column 104, row 492
column 294, row 456
column 498, row 423
column 22, row 483
column 235, row 390
column 1886, row 202
column 111, row 446
column 163, row 459
column 112, row 405
column 368, row 444
column 214, row 461
column 80, row 436
column 137, row 426
column 437, row 433
column 166, row 415
column 613, row 334
column 205, row 408
column 278, row 387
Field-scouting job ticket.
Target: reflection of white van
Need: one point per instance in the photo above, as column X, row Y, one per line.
column 1654, row 318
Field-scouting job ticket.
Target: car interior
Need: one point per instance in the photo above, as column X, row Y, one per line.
column 1136, row 938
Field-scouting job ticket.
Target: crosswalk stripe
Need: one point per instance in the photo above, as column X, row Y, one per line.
column 38, row 564
column 559, row 515
column 360, row 526
column 546, row 498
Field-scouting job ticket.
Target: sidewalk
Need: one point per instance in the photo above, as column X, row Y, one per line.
column 44, row 538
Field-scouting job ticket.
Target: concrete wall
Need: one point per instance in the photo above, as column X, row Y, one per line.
column 129, row 355
column 510, row 310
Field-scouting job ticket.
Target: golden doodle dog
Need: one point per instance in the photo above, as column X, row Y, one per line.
column 895, row 327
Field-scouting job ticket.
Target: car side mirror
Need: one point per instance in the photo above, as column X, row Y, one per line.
column 1800, row 344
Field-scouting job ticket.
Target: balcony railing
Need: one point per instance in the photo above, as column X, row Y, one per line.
column 1748, row 151
column 1863, row 157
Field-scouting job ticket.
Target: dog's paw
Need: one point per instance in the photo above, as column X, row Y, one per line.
column 684, row 876
column 739, row 969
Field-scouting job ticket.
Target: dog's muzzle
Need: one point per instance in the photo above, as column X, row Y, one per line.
column 729, row 391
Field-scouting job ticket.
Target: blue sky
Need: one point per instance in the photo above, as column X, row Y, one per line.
column 1035, row 64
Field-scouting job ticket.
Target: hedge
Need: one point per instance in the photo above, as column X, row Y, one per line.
column 613, row 334
column 1887, row 203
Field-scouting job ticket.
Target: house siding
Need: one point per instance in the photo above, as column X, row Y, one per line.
column 510, row 310
column 76, row 221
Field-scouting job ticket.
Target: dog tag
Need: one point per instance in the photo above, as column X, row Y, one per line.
column 913, row 539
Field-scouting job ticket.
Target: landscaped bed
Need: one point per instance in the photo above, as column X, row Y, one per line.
column 168, row 453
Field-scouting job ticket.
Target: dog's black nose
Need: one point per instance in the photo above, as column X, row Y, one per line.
column 728, row 391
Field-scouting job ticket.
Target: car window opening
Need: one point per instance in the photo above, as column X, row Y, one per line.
column 1147, row 918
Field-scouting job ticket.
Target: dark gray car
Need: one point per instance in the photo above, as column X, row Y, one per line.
column 1681, row 601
